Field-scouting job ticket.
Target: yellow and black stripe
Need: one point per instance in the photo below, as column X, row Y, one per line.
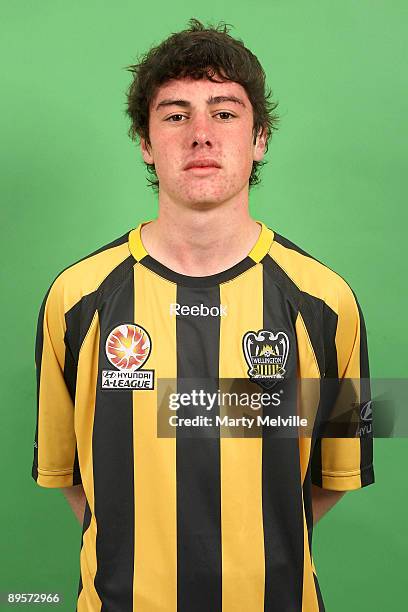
column 204, row 522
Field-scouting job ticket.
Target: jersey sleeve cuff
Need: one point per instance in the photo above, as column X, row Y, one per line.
column 346, row 481
column 52, row 479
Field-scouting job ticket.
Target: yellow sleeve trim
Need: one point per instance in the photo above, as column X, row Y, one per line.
column 341, row 473
column 347, row 481
column 55, row 478
column 51, row 481
column 55, row 472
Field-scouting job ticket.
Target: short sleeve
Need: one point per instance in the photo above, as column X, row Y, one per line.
column 55, row 462
column 346, row 463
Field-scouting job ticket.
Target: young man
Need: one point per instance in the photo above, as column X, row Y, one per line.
column 195, row 523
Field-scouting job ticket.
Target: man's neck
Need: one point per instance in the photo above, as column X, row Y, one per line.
column 200, row 242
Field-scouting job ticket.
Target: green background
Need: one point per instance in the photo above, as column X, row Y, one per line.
column 335, row 183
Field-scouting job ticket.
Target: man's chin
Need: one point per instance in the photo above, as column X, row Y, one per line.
column 205, row 201
column 200, row 197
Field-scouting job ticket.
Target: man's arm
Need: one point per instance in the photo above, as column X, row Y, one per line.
column 323, row 500
column 76, row 499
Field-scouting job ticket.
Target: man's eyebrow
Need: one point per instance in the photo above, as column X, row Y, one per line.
column 219, row 99
column 211, row 100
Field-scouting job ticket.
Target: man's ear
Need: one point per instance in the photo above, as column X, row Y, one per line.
column 260, row 144
column 146, row 151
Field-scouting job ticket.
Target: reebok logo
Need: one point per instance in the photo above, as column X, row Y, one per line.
column 198, row 311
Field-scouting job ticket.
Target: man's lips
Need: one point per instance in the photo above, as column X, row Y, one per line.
column 202, row 163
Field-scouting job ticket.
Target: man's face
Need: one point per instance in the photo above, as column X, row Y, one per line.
column 190, row 123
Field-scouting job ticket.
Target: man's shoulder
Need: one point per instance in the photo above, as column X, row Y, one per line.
column 309, row 274
column 85, row 275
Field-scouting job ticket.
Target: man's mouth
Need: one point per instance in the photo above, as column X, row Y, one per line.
column 202, row 164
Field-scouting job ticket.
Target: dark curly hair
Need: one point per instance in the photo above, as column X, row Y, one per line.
column 199, row 52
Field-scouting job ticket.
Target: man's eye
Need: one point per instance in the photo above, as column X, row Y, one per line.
column 225, row 113
column 172, row 117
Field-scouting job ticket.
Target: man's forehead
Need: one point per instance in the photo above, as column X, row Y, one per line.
column 197, row 90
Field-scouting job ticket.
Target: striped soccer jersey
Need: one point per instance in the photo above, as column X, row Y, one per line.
column 204, row 523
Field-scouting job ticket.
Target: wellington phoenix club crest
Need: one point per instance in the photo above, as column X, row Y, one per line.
column 266, row 354
column 127, row 348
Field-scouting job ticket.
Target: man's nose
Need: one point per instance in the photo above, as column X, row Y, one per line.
column 201, row 130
